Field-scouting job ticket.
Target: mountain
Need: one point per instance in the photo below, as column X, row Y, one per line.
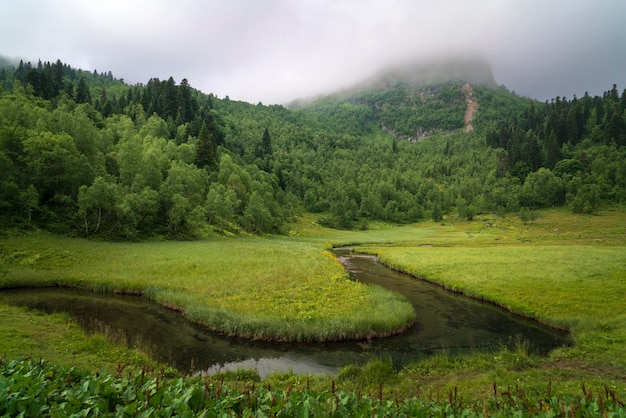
column 85, row 153
column 410, row 101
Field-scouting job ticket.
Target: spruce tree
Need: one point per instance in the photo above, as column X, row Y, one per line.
column 206, row 150
column 169, row 99
column 266, row 143
column 616, row 129
column 58, row 78
column 20, row 72
column 185, row 108
column 553, row 150
column 32, row 78
column 82, row 92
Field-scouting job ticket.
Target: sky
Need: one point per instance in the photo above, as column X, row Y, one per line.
column 276, row 51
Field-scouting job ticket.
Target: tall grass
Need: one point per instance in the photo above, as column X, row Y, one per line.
column 270, row 289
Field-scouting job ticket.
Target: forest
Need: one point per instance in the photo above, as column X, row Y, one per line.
column 83, row 153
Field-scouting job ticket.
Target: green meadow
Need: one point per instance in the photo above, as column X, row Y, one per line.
column 567, row 271
column 264, row 289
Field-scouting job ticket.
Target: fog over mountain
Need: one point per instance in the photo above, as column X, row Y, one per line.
column 431, row 70
column 275, row 51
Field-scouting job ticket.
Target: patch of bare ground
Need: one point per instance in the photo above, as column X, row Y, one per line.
column 472, row 107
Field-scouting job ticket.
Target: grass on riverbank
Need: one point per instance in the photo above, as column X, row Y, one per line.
column 54, row 336
column 562, row 269
column 266, row 289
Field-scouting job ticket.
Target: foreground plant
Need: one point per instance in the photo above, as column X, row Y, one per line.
column 34, row 387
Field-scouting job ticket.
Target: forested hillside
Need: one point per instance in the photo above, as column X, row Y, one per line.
column 84, row 153
column 566, row 151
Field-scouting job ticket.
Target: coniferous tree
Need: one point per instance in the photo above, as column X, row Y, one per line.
column 47, row 82
column 121, row 104
column 185, row 110
column 532, row 151
column 104, row 106
column 82, row 92
column 587, row 105
column 21, row 71
column 32, row 78
column 169, row 99
column 616, row 129
column 553, row 150
column 599, row 107
column 57, row 78
column 575, row 122
column 572, row 125
column 206, row 150
column 266, row 143
column 211, row 119
column 151, row 97
column 69, row 90
column 613, row 94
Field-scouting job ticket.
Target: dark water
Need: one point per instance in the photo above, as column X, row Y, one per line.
column 445, row 323
column 448, row 321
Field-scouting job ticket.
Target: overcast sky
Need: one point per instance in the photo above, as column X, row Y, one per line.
column 275, row 51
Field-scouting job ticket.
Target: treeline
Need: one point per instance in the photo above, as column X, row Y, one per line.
column 67, row 166
column 176, row 104
column 48, row 80
column 127, row 162
column 566, row 151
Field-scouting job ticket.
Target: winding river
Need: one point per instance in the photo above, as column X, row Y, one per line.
column 446, row 322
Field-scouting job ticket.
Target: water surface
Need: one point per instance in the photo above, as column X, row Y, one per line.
column 446, row 322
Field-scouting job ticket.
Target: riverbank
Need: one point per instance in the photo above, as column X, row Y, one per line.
column 593, row 367
column 56, row 338
column 567, row 271
column 272, row 289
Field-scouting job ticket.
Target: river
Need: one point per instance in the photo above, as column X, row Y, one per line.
column 446, row 323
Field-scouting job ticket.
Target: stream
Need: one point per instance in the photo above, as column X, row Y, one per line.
column 446, row 323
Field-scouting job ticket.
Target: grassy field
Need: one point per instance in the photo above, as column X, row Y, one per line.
column 266, row 289
column 565, row 270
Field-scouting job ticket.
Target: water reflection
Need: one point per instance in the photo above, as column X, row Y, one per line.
column 445, row 322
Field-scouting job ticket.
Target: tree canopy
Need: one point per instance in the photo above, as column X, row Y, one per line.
column 88, row 154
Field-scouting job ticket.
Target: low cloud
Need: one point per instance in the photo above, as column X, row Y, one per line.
column 278, row 50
